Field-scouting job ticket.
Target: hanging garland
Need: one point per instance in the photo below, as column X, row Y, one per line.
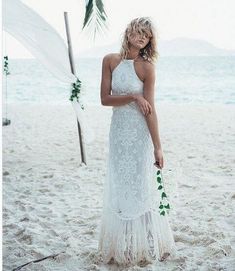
column 164, row 204
column 5, row 65
column 75, row 92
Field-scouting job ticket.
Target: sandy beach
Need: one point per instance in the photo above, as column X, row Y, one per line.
column 52, row 204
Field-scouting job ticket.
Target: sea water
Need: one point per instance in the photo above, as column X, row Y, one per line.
column 197, row 80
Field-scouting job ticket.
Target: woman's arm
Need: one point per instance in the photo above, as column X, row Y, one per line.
column 152, row 120
column 105, row 89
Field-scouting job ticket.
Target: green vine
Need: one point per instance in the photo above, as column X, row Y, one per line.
column 5, row 65
column 75, row 92
column 163, row 207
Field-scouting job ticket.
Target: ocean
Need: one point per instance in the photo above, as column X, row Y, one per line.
column 197, row 80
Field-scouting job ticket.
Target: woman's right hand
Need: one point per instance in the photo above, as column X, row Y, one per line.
column 143, row 104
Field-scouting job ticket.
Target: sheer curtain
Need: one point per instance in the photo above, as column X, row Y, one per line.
column 43, row 41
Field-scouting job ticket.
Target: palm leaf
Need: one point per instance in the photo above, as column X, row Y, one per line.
column 96, row 15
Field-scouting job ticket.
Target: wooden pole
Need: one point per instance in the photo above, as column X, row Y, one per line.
column 71, row 60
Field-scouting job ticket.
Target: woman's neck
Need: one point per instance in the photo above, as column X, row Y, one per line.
column 133, row 54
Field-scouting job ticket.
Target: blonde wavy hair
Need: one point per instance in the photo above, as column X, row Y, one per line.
column 142, row 26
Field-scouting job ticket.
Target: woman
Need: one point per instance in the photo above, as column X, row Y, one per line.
column 132, row 230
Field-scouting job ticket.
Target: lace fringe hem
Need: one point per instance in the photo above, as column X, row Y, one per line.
column 127, row 242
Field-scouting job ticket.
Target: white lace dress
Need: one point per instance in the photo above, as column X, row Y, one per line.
column 131, row 228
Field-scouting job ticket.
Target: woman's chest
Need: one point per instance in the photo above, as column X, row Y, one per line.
column 126, row 81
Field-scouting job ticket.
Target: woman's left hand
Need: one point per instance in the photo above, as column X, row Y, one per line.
column 158, row 158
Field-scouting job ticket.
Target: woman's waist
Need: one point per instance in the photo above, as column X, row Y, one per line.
column 127, row 91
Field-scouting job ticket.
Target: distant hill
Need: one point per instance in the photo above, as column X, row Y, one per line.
column 175, row 47
column 191, row 47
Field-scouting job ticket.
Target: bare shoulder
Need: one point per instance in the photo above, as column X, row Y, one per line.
column 147, row 69
column 145, row 64
column 111, row 60
column 148, row 66
column 111, row 57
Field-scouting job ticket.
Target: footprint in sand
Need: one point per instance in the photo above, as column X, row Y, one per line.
column 44, row 190
column 48, row 176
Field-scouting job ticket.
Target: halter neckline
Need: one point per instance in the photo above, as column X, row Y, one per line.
column 132, row 59
column 132, row 65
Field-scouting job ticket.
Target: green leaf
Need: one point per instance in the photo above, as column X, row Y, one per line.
column 167, row 206
column 160, row 187
column 158, row 179
column 158, row 172
column 161, row 206
column 163, row 195
column 162, row 212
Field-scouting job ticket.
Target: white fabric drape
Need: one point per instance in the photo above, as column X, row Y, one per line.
column 43, row 41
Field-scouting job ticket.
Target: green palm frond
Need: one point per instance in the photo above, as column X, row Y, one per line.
column 96, row 15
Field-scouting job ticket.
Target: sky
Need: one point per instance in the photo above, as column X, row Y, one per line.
column 209, row 20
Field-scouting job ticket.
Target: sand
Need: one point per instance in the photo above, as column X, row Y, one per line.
column 52, row 203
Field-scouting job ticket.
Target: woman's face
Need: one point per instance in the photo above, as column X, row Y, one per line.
column 138, row 40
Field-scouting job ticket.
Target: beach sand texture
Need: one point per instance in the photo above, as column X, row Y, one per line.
column 52, row 204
